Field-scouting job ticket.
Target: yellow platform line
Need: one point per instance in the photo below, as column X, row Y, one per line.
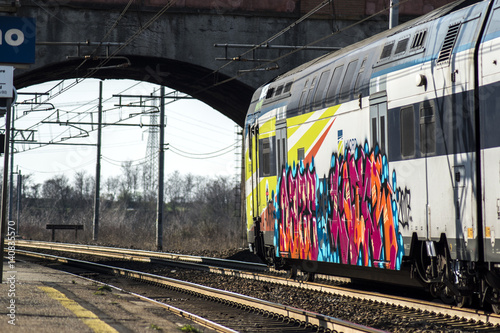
column 88, row 317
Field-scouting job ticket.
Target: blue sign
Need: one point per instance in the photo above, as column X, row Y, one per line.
column 17, row 40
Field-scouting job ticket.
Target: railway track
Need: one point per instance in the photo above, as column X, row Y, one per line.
column 140, row 255
column 440, row 314
column 229, row 306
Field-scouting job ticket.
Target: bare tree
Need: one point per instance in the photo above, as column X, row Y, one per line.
column 130, row 182
column 83, row 186
column 57, row 189
column 112, row 185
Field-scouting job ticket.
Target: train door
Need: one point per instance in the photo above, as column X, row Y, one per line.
column 281, row 147
column 489, row 90
column 253, row 227
column 378, row 121
column 460, row 191
column 281, row 157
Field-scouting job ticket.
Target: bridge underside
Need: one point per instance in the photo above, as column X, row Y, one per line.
column 231, row 98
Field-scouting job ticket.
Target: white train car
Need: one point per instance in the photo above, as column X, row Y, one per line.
column 381, row 161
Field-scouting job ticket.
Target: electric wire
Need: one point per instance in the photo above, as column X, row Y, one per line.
column 198, row 157
column 43, row 7
column 121, row 47
column 138, row 162
column 61, row 171
column 272, row 38
column 170, row 3
column 122, row 14
column 298, row 49
column 82, row 113
column 155, row 17
column 226, row 150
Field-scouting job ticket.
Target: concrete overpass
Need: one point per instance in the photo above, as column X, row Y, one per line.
column 106, row 39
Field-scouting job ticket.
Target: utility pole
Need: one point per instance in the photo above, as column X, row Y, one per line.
column 98, row 167
column 19, row 194
column 11, row 181
column 161, row 151
column 150, row 171
column 3, row 224
column 161, row 171
column 394, row 14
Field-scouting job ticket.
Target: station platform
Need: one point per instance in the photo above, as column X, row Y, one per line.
column 34, row 298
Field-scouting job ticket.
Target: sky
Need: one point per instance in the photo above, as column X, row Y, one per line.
column 193, row 129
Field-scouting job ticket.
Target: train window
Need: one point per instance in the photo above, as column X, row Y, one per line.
column 302, row 102
column 427, row 129
column 266, row 166
column 279, row 90
column 407, row 122
column 270, row 93
column 278, row 147
column 318, row 96
column 287, row 87
column 303, row 98
column 382, row 133
column 300, row 154
column 448, row 43
column 345, row 90
column 250, row 139
column 281, row 146
column 418, row 40
column 386, row 51
column 374, row 131
column 311, row 91
column 401, row 46
column 378, row 121
column 357, row 84
column 331, row 95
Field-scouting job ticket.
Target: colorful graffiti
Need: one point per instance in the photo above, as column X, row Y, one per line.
column 403, row 198
column 349, row 216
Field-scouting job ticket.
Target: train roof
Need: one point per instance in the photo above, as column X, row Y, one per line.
column 438, row 13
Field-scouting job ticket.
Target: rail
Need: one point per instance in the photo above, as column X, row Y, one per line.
column 282, row 311
column 194, row 262
column 139, row 255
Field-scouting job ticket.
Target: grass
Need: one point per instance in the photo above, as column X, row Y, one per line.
column 101, row 290
column 189, row 328
column 104, row 288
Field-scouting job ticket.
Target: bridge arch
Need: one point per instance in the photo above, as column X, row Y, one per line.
column 197, row 81
column 180, row 42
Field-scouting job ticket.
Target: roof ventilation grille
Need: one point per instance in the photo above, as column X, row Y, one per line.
column 386, row 51
column 449, row 43
column 418, row 40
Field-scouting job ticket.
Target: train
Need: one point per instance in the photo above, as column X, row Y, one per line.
column 381, row 161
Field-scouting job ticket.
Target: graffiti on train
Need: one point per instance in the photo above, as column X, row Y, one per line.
column 349, row 216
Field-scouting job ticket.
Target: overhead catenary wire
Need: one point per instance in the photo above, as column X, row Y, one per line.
column 263, row 65
column 121, row 47
column 48, row 118
column 122, row 14
column 275, row 36
column 199, row 157
column 217, row 152
column 170, row 3
column 154, row 18
column 62, row 171
column 137, row 162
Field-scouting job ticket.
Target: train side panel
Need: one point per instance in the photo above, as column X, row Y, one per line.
column 382, row 161
column 432, row 124
column 489, row 94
